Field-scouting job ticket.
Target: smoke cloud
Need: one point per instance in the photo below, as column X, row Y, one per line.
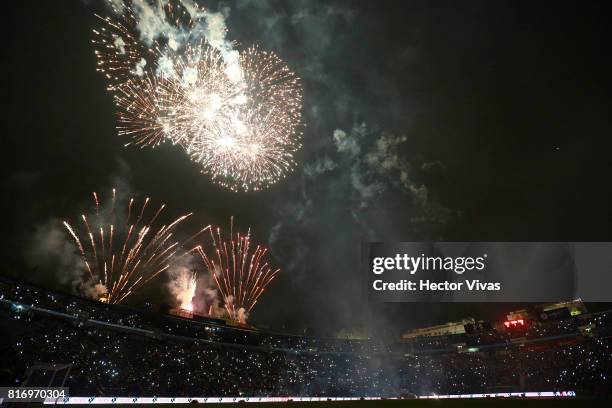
column 182, row 283
column 206, row 300
column 153, row 24
column 363, row 176
column 50, row 252
column 359, row 187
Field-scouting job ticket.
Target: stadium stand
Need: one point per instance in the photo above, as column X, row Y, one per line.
column 124, row 351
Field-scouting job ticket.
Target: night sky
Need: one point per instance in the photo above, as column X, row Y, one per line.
column 497, row 113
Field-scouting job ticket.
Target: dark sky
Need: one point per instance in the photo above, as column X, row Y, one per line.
column 504, row 107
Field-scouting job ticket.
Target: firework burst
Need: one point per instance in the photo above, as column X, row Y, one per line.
column 239, row 269
column 120, row 256
column 256, row 135
column 141, row 116
column 238, row 115
column 200, row 98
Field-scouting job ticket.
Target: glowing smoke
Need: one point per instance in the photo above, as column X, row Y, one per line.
column 182, row 285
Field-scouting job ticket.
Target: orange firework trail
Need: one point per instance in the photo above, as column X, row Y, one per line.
column 124, row 256
column 240, row 271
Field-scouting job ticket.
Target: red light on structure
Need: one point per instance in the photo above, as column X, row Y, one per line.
column 514, row 323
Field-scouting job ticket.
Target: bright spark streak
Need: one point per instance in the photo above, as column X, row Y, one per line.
column 130, row 256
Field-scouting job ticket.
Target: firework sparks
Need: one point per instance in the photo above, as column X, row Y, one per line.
column 197, row 101
column 140, row 116
column 257, row 132
column 120, row 53
column 238, row 115
column 120, row 257
column 240, row 271
column 189, row 293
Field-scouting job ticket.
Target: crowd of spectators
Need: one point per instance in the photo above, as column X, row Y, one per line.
column 582, row 366
column 120, row 351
